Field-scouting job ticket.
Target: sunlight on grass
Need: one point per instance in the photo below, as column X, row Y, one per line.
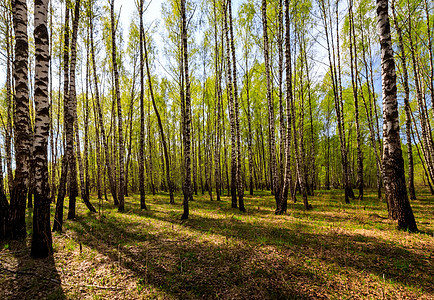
column 332, row 251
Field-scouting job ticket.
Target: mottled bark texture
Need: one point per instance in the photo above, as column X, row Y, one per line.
column 41, row 238
column 21, row 120
column 393, row 163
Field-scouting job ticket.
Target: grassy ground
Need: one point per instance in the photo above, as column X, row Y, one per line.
column 334, row 251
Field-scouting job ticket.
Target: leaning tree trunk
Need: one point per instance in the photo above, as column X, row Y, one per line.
column 393, row 163
column 121, row 206
column 21, row 121
column 41, row 238
column 187, row 115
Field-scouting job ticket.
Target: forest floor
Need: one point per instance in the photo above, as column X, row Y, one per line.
column 335, row 251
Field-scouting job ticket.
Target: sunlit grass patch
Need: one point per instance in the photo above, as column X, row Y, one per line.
column 333, row 251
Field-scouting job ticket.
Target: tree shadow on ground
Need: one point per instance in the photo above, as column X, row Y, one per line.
column 183, row 267
column 228, row 257
column 23, row 277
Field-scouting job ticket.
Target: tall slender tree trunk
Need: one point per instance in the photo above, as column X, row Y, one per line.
column 240, row 186
column 219, row 100
column 423, row 115
column 393, row 163
column 4, row 208
column 142, row 116
column 73, row 99
column 130, row 122
column 86, row 119
column 100, row 119
column 72, row 107
column 431, row 57
column 58, row 217
column 369, row 115
column 52, row 145
column 249, row 125
column 121, row 206
column 273, row 163
column 160, row 125
column 151, row 159
column 411, row 189
column 341, row 123
column 280, row 91
column 298, row 148
column 41, row 237
column 230, row 95
column 287, row 181
column 187, row 116
column 9, row 101
column 21, row 121
column 354, row 76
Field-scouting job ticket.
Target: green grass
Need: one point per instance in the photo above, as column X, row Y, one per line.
column 335, row 250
